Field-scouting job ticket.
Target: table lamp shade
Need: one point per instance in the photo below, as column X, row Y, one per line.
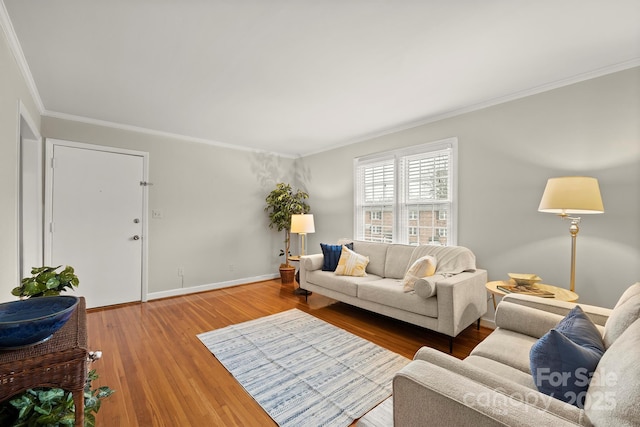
column 572, row 195
column 302, row 223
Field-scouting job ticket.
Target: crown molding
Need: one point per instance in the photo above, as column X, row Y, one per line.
column 485, row 104
column 16, row 50
column 138, row 129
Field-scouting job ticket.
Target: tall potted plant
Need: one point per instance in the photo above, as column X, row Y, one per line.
column 283, row 202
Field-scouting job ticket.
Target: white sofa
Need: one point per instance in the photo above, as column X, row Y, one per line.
column 494, row 385
column 460, row 297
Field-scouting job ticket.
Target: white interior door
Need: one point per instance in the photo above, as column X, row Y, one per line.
column 96, row 208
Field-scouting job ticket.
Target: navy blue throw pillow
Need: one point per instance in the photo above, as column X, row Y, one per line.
column 332, row 255
column 564, row 359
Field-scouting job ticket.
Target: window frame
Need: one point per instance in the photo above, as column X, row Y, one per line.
column 399, row 206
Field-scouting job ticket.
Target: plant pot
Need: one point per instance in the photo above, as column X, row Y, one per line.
column 287, row 274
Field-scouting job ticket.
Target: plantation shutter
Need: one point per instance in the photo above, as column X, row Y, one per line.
column 408, row 195
column 426, row 203
column 375, row 195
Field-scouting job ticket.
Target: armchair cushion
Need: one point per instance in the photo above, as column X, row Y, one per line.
column 612, row 399
column 563, row 360
column 625, row 312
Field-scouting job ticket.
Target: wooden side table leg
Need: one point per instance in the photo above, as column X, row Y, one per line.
column 495, row 306
column 78, row 400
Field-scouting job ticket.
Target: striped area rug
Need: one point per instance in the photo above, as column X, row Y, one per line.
column 304, row 371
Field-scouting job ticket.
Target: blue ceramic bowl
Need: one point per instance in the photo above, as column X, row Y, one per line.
column 32, row 321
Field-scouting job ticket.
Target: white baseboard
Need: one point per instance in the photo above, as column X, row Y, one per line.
column 209, row 287
column 487, row 323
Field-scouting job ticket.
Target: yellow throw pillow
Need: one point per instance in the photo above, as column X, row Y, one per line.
column 351, row 263
column 422, row 267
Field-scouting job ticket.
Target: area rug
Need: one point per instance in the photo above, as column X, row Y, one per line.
column 304, row 371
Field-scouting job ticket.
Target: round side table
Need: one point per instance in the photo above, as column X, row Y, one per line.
column 559, row 293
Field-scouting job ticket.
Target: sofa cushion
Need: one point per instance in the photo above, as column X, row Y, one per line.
column 422, row 267
column 612, row 398
column 377, row 253
column 625, row 312
column 563, row 360
column 397, row 260
column 331, row 254
column 389, row 292
column 345, row 284
column 351, row 263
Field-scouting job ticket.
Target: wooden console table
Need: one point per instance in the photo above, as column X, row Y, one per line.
column 60, row 362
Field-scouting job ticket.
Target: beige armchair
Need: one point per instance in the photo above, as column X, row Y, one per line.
column 494, row 385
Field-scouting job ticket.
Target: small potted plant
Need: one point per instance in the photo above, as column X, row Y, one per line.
column 45, row 405
column 45, row 281
column 283, row 202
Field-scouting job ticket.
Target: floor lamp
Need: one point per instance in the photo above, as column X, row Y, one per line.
column 572, row 195
column 302, row 224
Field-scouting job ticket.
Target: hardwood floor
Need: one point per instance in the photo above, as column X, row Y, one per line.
column 164, row 376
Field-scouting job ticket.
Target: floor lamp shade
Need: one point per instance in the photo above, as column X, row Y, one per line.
column 572, row 195
column 302, row 224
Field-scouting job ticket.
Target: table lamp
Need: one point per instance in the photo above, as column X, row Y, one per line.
column 302, row 224
column 571, row 195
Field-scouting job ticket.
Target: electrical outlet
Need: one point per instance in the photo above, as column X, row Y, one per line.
column 231, row 267
column 180, row 271
column 156, row 214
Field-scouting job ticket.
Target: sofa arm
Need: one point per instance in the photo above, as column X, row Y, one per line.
column 427, row 395
column 500, row 384
column 462, row 299
column 309, row 263
column 599, row 315
column 525, row 320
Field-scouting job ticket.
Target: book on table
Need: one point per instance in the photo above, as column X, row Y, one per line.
column 526, row 290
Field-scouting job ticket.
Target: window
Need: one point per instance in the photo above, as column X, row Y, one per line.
column 416, row 184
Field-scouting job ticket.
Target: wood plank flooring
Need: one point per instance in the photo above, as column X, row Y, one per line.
column 164, row 376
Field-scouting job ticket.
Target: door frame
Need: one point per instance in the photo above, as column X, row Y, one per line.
column 50, row 143
column 22, row 133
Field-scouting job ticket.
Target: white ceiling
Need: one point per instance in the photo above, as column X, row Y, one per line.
column 300, row 76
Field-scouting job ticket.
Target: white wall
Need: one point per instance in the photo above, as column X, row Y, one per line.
column 506, row 154
column 13, row 89
column 212, row 202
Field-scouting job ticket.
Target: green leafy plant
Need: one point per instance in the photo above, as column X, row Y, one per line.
column 52, row 406
column 282, row 202
column 45, row 281
column 48, row 406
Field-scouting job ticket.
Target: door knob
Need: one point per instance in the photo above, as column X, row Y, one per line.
column 136, row 237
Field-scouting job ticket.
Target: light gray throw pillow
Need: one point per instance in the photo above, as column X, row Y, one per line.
column 426, row 287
